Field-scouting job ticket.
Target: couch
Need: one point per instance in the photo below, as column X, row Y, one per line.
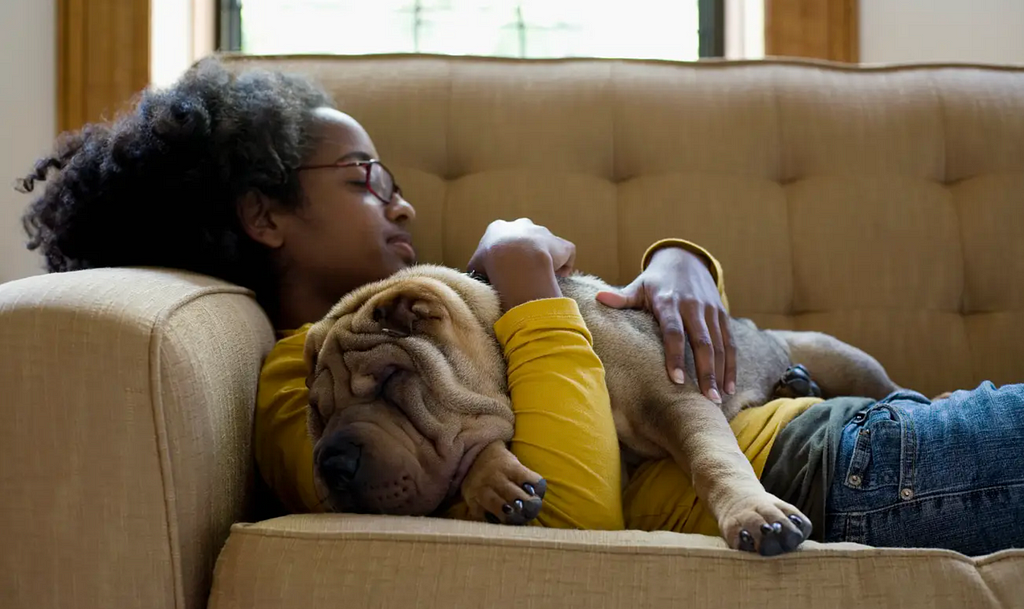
column 884, row 205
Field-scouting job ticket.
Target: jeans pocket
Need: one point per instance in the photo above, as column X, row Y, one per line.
column 877, row 447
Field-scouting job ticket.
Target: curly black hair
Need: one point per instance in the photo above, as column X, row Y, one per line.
column 159, row 185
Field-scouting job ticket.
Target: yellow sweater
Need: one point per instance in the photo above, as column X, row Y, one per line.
column 564, row 428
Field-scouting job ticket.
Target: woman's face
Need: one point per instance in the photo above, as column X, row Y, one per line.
column 343, row 235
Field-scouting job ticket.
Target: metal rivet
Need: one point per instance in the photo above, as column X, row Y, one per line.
column 907, row 493
column 865, row 432
column 854, row 480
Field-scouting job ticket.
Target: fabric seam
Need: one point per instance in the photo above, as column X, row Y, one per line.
column 156, row 334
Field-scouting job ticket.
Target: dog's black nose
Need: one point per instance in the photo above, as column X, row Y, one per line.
column 339, row 462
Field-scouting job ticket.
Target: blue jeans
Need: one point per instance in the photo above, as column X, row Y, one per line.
column 945, row 474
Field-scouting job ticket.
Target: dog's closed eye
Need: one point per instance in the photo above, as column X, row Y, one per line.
column 317, row 421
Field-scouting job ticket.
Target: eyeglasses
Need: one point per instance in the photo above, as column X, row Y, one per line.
column 378, row 178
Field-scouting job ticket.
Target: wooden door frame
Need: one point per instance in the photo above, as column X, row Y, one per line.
column 817, row 29
column 102, row 58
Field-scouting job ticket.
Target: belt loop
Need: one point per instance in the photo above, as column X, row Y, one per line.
column 908, row 453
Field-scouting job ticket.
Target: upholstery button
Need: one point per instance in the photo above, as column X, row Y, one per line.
column 907, row 493
column 854, row 480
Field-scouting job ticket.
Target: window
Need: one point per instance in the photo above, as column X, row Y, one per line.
column 644, row 29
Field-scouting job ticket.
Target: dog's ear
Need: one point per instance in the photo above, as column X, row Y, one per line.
column 315, row 338
column 399, row 314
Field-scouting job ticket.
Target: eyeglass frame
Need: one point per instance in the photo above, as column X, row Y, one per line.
column 368, row 164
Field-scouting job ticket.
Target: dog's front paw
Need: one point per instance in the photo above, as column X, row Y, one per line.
column 765, row 524
column 501, row 490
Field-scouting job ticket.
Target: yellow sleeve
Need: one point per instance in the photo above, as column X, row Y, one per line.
column 281, row 443
column 564, row 429
column 714, row 266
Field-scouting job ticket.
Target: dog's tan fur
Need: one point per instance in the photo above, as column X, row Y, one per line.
column 409, row 370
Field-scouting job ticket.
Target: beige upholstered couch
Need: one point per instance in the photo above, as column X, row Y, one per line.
column 885, row 206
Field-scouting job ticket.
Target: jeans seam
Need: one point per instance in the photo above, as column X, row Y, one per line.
column 861, row 457
column 908, row 452
column 923, row 498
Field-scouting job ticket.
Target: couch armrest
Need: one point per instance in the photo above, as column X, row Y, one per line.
column 126, row 398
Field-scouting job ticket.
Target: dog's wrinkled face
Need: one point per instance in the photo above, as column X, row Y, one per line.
column 407, row 384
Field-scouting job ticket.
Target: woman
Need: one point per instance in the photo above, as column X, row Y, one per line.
column 259, row 180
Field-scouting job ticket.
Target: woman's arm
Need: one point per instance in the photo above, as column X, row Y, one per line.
column 564, row 429
column 563, row 424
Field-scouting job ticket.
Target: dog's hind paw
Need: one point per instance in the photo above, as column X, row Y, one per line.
column 796, row 382
column 501, row 490
column 766, row 525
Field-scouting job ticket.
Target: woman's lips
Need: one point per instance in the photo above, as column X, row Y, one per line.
column 403, row 247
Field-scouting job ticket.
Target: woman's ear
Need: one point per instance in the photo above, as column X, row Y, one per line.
column 260, row 219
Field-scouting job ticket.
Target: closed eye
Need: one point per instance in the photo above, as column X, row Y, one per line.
column 318, row 418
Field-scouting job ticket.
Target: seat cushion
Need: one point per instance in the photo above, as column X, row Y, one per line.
column 313, row 561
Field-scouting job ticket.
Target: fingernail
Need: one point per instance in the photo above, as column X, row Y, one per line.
column 506, row 508
column 529, row 489
column 766, row 528
column 714, row 396
column 678, row 376
column 519, row 505
column 730, row 388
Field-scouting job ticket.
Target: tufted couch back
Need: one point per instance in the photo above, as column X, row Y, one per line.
column 884, row 206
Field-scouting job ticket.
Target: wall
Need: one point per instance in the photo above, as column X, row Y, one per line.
column 983, row 31
column 27, row 115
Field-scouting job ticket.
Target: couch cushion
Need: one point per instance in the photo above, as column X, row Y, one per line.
column 332, row 561
column 882, row 205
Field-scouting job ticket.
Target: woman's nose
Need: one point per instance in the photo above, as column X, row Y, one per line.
column 401, row 210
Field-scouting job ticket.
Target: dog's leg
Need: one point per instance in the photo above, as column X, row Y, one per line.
column 696, row 433
column 500, row 489
column 838, row 368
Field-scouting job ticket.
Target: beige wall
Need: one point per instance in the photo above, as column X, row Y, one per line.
column 986, row 31
column 27, row 117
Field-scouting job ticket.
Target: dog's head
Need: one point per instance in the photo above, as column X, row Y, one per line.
column 407, row 384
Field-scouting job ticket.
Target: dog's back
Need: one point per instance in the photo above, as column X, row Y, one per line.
column 629, row 343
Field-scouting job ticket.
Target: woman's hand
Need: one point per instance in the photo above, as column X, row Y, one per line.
column 681, row 293
column 522, row 260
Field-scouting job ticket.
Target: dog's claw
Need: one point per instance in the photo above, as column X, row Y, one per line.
column 792, row 538
column 803, row 524
column 532, row 508
column 766, row 525
column 746, row 541
column 771, row 545
column 498, row 488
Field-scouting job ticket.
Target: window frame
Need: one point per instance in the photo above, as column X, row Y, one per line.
column 711, row 31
